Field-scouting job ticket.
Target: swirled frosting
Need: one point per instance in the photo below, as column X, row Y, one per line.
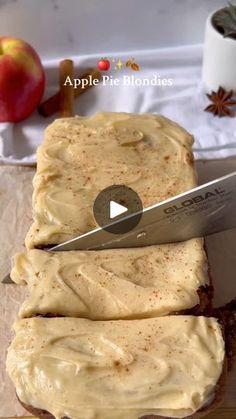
column 80, row 368
column 83, row 155
column 113, row 284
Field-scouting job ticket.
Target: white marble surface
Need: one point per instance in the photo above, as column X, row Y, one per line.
column 58, row 28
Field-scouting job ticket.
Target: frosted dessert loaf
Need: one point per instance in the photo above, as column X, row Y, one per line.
column 114, row 284
column 168, row 366
column 83, row 155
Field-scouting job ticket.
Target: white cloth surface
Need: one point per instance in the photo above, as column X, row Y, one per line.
column 184, row 102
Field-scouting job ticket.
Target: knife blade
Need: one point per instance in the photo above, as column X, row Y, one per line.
column 204, row 210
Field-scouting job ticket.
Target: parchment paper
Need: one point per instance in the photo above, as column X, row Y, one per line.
column 15, row 209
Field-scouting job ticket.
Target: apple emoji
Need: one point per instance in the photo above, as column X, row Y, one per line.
column 103, row 64
column 22, row 79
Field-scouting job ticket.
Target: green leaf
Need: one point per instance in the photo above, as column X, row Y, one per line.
column 225, row 21
column 232, row 10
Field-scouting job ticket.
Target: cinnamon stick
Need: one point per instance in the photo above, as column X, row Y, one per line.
column 51, row 105
column 66, row 102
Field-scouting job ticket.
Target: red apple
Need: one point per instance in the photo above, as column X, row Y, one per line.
column 103, row 64
column 22, row 79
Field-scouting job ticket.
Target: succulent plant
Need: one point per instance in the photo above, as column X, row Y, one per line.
column 224, row 21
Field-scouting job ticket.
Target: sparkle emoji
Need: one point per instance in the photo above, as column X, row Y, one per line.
column 119, row 64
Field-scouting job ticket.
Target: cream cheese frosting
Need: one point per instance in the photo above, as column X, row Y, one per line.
column 83, row 155
column 80, row 368
column 113, row 284
column 112, row 368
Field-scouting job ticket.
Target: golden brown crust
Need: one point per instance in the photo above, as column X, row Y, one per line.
column 39, row 413
column 227, row 317
column 205, row 293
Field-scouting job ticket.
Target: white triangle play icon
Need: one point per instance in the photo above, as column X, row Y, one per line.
column 116, row 209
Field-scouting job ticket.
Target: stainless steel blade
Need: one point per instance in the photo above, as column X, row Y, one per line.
column 204, row 210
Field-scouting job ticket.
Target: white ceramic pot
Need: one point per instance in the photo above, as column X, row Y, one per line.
column 219, row 59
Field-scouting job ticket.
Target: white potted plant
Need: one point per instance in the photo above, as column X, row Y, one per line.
column 219, row 58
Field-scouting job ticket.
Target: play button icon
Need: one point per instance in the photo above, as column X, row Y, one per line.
column 116, row 209
column 113, row 204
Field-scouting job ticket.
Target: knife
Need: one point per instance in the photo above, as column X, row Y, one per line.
column 204, row 210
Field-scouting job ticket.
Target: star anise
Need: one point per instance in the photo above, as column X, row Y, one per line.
column 221, row 102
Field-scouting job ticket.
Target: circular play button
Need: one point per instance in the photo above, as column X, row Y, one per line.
column 114, row 203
